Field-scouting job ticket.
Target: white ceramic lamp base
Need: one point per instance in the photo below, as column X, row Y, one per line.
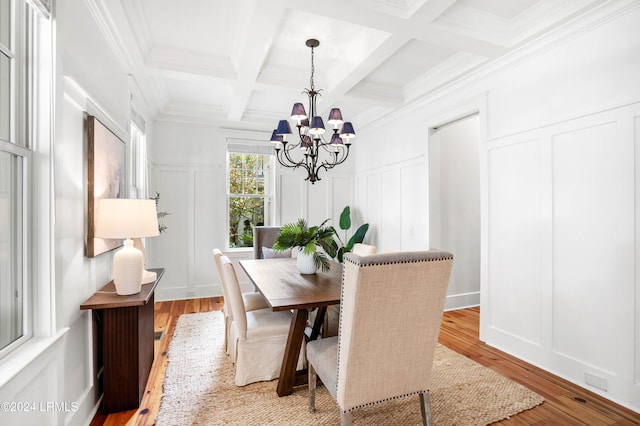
column 127, row 269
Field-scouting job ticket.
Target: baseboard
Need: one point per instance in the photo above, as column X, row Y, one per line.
column 461, row 301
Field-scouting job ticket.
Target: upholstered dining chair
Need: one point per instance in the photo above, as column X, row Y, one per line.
column 330, row 325
column 257, row 339
column 252, row 300
column 363, row 249
column 390, row 315
column 264, row 237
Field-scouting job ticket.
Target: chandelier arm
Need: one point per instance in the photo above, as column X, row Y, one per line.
column 339, row 158
column 293, row 164
column 283, row 155
column 311, row 172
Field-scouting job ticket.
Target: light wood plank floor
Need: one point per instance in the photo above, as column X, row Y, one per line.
column 565, row 403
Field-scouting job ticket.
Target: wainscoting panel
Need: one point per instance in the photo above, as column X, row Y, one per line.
column 341, row 196
column 414, row 189
column 592, row 241
column 562, row 289
column 391, row 212
column 209, row 221
column 635, row 352
column 318, row 201
column 171, row 250
column 373, row 207
column 292, row 199
column 516, row 240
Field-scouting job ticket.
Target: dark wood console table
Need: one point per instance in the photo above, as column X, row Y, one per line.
column 126, row 326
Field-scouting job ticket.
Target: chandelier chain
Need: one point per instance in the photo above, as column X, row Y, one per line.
column 313, row 69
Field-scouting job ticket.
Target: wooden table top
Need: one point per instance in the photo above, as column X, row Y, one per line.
column 107, row 298
column 285, row 288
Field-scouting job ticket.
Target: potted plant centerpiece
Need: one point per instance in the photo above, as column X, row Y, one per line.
column 308, row 240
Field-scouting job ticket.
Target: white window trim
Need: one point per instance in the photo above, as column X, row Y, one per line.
column 40, row 327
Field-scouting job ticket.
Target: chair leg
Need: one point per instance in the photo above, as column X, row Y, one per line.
column 425, row 408
column 345, row 418
column 312, row 388
column 226, row 336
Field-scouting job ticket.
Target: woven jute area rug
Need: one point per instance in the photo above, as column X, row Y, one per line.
column 198, row 389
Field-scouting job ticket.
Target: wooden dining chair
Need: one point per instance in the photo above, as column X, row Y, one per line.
column 257, row 339
column 252, row 300
column 390, row 315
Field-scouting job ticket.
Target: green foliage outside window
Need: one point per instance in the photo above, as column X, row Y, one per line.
column 247, row 196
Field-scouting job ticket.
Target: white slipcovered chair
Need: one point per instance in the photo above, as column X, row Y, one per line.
column 330, row 325
column 252, row 300
column 390, row 315
column 257, row 338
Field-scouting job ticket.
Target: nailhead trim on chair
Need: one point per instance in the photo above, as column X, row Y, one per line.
column 385, row 259
column 393, row 257
column 385, row 400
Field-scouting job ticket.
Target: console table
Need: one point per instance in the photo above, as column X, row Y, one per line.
column 125, row 324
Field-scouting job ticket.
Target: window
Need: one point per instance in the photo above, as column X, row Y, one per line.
column 138, row 163
column 249, row 195
column 15, row 158
column 25, row 112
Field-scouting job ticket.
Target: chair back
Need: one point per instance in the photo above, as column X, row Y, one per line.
column 235, row 297
column 390, row 316
column 363, row 249
column 217, row 254
column 264, row 236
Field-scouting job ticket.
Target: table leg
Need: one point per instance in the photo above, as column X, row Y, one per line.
column 317, row 325
column 292, row 352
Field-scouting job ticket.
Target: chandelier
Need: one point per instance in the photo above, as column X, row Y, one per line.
column 310, row 141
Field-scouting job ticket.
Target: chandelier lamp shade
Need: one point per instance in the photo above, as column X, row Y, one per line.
column 312, row 149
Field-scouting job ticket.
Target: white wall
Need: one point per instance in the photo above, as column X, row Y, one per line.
column 89, row 78
column 559, row 157
column 189, row 172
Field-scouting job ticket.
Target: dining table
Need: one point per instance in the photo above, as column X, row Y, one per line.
column 286, row 289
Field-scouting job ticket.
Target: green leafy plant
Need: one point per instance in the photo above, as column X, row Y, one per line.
column 161, row 227
column 308, row 239
column 357, row 237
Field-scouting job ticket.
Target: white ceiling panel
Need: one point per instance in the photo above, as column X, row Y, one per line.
column 244, row 62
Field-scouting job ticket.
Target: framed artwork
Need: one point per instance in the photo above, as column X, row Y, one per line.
column 105, row 178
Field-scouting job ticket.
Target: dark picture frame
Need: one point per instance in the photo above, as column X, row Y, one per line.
column 105, row 178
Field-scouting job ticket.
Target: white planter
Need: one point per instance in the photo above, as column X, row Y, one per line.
column 305, row 263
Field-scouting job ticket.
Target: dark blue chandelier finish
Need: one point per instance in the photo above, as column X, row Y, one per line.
column 311, row 129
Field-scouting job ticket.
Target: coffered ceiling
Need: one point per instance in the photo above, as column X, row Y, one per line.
column 243, row 63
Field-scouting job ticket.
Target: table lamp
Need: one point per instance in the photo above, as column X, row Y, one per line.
column 127, row 218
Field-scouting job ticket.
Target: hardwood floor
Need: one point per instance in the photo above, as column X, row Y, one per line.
column 565, row 403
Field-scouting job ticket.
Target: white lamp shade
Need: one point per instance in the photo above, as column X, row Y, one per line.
column 126, row 218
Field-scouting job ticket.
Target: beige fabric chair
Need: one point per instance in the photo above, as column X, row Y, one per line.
column 251, row 300
column 390, row 316
column 263, row 236
column 332, row 317
column 257, row 339
column 363, row 249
